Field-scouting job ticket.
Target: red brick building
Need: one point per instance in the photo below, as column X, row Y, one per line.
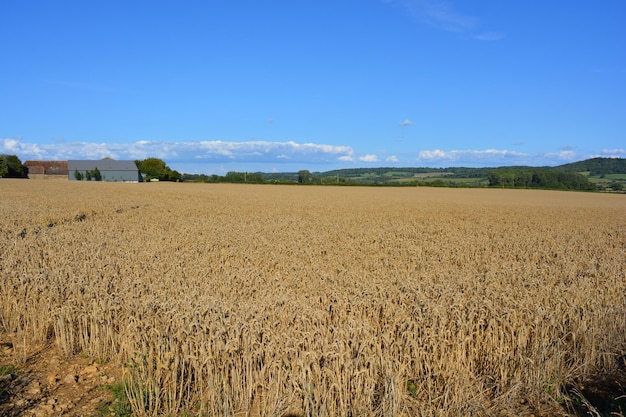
column 47, row 170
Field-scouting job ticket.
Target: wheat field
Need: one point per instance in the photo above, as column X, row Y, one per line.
column 244, row 300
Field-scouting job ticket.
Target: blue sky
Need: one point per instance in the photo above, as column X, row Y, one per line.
column 211, row 86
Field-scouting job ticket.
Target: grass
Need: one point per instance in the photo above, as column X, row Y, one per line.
column 118, row 406
column 7, row 369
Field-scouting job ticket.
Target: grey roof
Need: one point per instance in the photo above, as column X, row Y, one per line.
column 102, row 165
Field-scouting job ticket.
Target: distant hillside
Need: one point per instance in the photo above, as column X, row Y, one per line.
column 597, row 174
column 597, row 166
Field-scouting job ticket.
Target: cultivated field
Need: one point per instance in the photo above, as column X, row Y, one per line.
column 241, row 300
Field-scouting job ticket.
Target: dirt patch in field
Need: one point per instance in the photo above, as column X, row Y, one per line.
column 603, row 395
column 37, row 380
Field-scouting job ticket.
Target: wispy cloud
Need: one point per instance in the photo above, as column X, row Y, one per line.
column 566, row 155
column 392, row 158
column 406, row 122
column 489, row 36
column 369, row 158
column 443, row 15
column 618, row 153
column 437, row 13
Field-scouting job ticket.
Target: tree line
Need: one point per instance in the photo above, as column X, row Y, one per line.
column 539, row 178
column 558, row 178
column 230, row 177
column 11, row 167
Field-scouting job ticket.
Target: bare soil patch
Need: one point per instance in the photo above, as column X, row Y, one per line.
column 39, row 381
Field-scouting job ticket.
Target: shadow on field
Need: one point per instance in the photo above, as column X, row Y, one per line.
column 600, row 396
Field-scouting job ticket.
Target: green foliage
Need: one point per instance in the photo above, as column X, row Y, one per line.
column 412, row 387
column 96, row 174
column 234, row 176
column 230, row 177
column 304, row 176
column 438, row 183
column 89, row 175
column 542, row 178
column 200, row 178
column 11, row 167
column 155, row 168
column 119, row 405
column 93, row 174
column 597, row 166
column 7, row 369
column 564, row 177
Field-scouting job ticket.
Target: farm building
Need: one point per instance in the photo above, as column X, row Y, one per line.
column 109, row 169
column 47, row 170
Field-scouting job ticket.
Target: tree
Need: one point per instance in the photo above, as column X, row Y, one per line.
column 96, row 174
column 304, row 176
column 78, row 176
column 173, row 175
column 234, row 176
column 617, row 186
column 538, row 178
column 155, row 168
column 11, row 167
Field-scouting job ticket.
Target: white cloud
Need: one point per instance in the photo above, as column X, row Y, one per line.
column 619, row 153
column 434, row 154
column 368, row 158
column 504, row 157
column 262, row 155
column 567, row 155
column 406, row 123
column 456, row 154
column 471, row 157
column 181, row 152
column 443, row 15
column 10, row 145
column 564, row 155
column 17, row 147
